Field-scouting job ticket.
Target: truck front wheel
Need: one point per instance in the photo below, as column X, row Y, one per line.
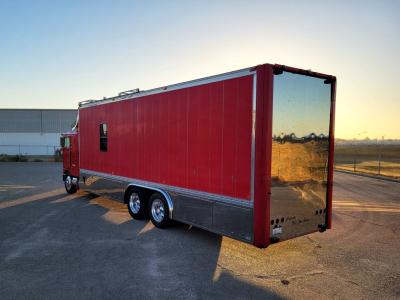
column 70, row 186
column 136, row 204
column 158, row 211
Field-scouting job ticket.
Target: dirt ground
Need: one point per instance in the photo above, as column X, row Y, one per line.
column 55, row 245
column 299, row 161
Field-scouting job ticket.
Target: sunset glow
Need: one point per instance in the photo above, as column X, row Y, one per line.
column 54, row 54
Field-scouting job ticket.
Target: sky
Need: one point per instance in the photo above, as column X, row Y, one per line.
column 301, row 105
column 55, row 53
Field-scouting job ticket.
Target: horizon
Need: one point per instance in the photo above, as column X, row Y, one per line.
column 56, row 54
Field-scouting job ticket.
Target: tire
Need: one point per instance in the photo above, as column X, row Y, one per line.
column 158, row 211
column 136, row 202
column 70, row 187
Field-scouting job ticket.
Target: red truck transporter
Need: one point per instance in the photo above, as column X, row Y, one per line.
column 246, row 154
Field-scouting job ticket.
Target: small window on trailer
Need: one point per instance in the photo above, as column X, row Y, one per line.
column 103, row 137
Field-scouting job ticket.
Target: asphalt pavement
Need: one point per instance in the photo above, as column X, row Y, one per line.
column 59, row 246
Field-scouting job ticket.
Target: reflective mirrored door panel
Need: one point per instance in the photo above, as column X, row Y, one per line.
column 300, row 148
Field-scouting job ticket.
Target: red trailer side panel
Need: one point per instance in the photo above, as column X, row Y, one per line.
column 197, row 137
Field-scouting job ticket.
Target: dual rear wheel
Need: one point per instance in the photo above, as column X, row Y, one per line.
column 156, row 207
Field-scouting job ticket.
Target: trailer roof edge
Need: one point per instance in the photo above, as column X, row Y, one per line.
column 199, row 81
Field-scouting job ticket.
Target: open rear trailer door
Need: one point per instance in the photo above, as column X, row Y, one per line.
column 301, row 163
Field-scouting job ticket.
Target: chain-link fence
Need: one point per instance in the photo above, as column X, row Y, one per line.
column 30, row 153
column 28, row 149
column 375, row 159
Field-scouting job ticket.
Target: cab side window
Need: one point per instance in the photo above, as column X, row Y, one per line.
column 64, row 142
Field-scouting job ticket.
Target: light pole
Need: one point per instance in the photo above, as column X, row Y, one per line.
column 354, row 157
column 380, row 155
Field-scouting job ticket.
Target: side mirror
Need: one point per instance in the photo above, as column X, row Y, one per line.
column 62, row 142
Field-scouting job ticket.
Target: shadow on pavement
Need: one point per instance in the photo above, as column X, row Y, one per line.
column 83, row 246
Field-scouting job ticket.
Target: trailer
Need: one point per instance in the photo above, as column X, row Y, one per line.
column 246, row 154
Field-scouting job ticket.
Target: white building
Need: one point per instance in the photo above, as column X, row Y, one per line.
column 33, row 131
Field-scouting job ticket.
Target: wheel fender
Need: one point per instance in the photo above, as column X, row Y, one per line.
column 162, row 192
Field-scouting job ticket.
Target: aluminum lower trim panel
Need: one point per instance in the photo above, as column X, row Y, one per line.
column 210, row 213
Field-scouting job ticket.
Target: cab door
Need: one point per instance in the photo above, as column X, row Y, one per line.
column 74, row 155
column 66, row 153
column 70, row 150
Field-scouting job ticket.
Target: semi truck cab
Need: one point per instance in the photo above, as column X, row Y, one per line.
column 70, row 154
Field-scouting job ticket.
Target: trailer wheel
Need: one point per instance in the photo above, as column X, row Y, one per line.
column 70, row 187
column 136, row 204
column 158, row 211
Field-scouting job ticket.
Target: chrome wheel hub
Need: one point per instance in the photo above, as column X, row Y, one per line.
column 134, row 203
column 157, row 210
column 68, row 183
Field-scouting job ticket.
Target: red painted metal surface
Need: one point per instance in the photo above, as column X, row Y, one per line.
column 66, row 154
column 71, row 156
column 196, row 137
column 263, row 152
column 331, row 155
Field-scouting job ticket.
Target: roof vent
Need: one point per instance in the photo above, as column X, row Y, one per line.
column 130, row 92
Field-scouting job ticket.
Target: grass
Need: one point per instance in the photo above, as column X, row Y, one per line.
column 371, row 167
column 366, row 159
column 5, row 157
column 368, row 151
column 30, row 158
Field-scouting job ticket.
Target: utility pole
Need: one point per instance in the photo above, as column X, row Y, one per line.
column 380, row 155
